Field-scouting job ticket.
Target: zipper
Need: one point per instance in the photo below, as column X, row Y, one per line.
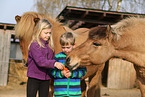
column 47, row 59
column 46, row 75
column 68, row 87
column 47, row 53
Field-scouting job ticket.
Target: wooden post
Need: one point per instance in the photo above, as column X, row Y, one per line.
column 121, row 74
column 5, row 40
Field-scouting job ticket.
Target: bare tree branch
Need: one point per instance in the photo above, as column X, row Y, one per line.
column 118, row 5
column 53, row 7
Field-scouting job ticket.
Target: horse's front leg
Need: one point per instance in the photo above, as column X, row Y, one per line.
column 94, row 87
column 95, row 80
column 140, row 71
column 142, row 88
column 51, row 88
column 83, row 87
column 91, row 70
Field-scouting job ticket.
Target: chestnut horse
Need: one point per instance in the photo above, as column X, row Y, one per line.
column 126, row 40
column 24, row 30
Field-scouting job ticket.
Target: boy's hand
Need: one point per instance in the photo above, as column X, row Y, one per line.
column 66, row 73
column 59, row 65
column 63, row 72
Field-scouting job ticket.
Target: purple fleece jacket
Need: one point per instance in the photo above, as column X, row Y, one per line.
column 39, row 61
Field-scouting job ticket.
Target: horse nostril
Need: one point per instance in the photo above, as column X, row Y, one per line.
column 68, row 61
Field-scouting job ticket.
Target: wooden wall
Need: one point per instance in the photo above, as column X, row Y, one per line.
column 5, row 41
column 121, row 74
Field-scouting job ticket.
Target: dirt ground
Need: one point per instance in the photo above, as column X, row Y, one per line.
column 17, row 85
column 17, row 90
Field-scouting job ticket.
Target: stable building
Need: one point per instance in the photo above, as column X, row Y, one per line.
column 9, row 49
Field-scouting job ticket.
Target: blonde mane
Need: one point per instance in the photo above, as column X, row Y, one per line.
column 131, row 24
column 24, row 29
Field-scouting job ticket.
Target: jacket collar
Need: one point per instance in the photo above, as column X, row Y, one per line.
column 45, row 42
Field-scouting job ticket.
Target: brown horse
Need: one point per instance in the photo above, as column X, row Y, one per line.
column 126, row 40
column 25, row 28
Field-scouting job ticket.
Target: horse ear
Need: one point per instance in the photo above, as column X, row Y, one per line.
column 109, row 32
column 17, row 18
column 36, row 20
column 109, row 29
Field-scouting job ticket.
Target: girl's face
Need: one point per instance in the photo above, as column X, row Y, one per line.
column 45, row 34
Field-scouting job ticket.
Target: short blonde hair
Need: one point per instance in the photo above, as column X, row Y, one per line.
column 67, row 38
column 41, row 25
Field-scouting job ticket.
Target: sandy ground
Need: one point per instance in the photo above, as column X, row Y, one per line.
column 20, row 91
column 13, row 91
column 17, row 75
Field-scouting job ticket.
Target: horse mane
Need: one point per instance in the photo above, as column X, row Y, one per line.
column 129, row 24
column 24, row 29
column 98, row 32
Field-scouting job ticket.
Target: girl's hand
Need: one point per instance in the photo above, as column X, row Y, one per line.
column 59, row 65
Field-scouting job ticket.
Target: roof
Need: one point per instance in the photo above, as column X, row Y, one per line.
column 7, row 26
column 77, row 17
column 11, row 28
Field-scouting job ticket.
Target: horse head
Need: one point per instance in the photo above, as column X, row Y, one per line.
column 124, row 39
column 24, row 31
column 95, row 50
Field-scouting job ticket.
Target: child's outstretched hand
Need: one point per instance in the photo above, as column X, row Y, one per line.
column 59, row 65
column 67, row 74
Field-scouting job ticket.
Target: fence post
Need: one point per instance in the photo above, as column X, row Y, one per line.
column 5, row 40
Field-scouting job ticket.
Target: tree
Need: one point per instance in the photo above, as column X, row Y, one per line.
column 54, row 7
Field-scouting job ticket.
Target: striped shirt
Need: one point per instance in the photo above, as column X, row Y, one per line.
column 68, row 87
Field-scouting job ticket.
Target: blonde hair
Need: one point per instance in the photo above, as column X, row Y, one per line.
column 41, row 25
column 67, row 38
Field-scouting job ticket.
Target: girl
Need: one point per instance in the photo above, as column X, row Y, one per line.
column 40, row 59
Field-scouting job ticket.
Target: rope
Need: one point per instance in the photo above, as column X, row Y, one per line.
column 10, row 62
column 16, row 76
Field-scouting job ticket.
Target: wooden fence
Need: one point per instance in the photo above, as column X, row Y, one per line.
column 5, row 41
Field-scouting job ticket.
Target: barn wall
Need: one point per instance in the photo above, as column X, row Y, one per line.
column 15, row 51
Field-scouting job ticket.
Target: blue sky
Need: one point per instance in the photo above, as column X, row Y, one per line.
column 10, row 8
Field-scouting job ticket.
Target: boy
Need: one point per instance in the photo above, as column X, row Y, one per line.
column 67, row 82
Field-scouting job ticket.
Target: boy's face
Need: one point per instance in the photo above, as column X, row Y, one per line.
column 67, row 48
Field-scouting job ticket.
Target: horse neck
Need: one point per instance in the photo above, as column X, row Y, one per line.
column 57, row 31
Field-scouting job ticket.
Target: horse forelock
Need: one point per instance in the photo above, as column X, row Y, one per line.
column 24, row 29
column 98, row 33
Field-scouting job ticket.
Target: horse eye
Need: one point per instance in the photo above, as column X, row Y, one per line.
column 96, row 44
